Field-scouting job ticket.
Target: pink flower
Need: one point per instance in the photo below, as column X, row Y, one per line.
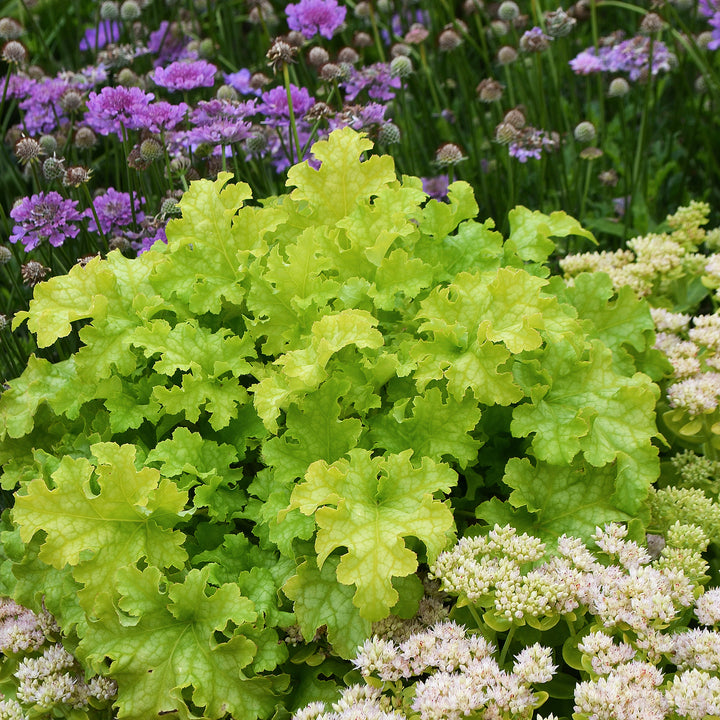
column 185, row 75
column 311, row 17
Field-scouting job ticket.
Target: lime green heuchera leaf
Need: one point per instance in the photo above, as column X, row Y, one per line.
column 580, row 404
column 341, row 182
column 439, row 219
column 319, row 599
column 436, row 429
column 165, row 641
column 130, row 518
column 531, row 230
column 368, row 505
column 205, row 271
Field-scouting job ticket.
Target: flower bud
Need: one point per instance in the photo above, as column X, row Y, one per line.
column 534, row 41
column 53, row 168
column 256, row 144
column 389, row 134
column 48, row 144
column 151, row 150
column 258, row 80
column 318, row 56
column 401, row 66
column 227, row 92
column 505, row 133
column 5, row 255
column 619, row 87
column 130, row 10
column 449, row 154
column 416, row 34
column 508, row 11
column 109, row 10
column 585, row 132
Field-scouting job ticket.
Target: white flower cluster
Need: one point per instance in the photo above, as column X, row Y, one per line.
column 21, row 630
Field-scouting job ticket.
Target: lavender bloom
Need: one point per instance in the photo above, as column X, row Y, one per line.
column 275, row 104
column 41, row 105
column 44, row 217
column 711, row 10
column 117, row 107
column 436, row 187
column 220, row 132
column 241, row 82
column 185, row 75
column 311, row 17
column 162, row 116
column 107, row 31
column 631, row 56
column 168, row 46
column 219, row 122
column 146, row 241
column 208, row 111
column 376, row 79
column 113, row 211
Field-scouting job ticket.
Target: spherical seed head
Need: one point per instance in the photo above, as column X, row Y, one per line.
column 48, row 144
column 516, row 118
column 151, row 150
column 348, row 55
column 71, row 100
column 489, row 90
column 449, row 154
column 33, row 272
column 258, row 80
column 227, row 92
column 534, row 41
column 389, row 134
column 280, row 53
column 330, row 71
column 400, row 49
column 206, row 49
column 53, row 168
column 619, row 87
column 362, row 9
column 507, row 55
column 130, row 10
column 585, row 132
column 505, row 133
column 470, row 7
column 180, row 164
column 703, row 39
column 256, row 144
column 5, row 255
column 318, row 56
column 118, row 242
column 498, row 28
column 508, row 11
column 109, row 10
column 652, row 23
column 608, row 178
column 14, row 52
column 128, row 78
column 362, row 40
column 295, row 38
column 27, row 149
column 85, row 138
column 449, row 40
column 318, row 111
column 700, row 85
column 170, row 208
column 401, row 66
column 10, row 29
column 558, row 23
column 76, row 176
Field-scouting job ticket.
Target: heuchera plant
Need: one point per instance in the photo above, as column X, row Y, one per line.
column 279, row 417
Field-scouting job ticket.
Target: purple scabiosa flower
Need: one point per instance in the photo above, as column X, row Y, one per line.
column 116, row 107
column 185, row 75
column 241, row 82
column 587, row 62
column 148, row 238
column 711, row 10
column 96, row 38
column 219, row 122
column 311, row 17
column 162, row 116
column 376, row 79
column 631, row 56
column 359, row 117
column 275, row 104
column 169, row 44
column 113, row 211
column 41, row 105
column 44, row 217
column 531, row 142
column 436, row 187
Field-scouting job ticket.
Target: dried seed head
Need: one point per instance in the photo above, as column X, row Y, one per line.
column 534, row 41
column 280, row 53
column 151, row 150
column 585, row 132
column 76, row 176
column 10, row 29
column 362, row 40
column 295, row 38
column 608, row 178
column 591, row 153
column 619, row 87
column 581, row 10
column 416, row 34
column 508, row 11
column 449, row 154
column 180, row 164
column 505, row 133
column 85, row 138
column 71, row 100
column 318, row 111
column 258, row 80
column 489, row 90
column 318, row 56
column 507, row 55
column 85, row 259
column 516, row 118
column 118, row 242
column 33, row 272
column 449, row 40
column 330, row 72
column 400, row 49
column 652, row 23
column 227, row 92
column 130, row 10
column 401, row 66
column 558, row 23
column 27, row 149
column 389, row 134
column 14, row 53
column 470, row 7
column 53, row 168
column 703, row 39
column 3, row 325
column 5, row 255
column 263, row 12
column 363, row 9
column 348, row 55
column 109, row 10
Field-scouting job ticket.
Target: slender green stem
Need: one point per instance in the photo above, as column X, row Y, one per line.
column 507, row 643
column 95, row 215
column 293, row 126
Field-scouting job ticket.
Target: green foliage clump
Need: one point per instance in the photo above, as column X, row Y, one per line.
column 277, row 419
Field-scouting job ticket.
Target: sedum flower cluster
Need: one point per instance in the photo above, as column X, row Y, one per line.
column 38, row 673
column 638, row 635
